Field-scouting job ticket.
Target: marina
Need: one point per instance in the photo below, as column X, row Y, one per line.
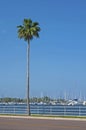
column 43, row 109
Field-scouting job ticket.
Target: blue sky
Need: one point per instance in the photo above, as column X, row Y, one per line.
column 57, row 58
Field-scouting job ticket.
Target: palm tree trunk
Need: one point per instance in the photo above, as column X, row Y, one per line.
column 28, row 78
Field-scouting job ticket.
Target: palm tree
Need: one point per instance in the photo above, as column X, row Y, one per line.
column 28, row 31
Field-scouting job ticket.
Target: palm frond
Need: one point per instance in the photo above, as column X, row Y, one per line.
column 20, row 26
column 28, row 30
column 35, row 24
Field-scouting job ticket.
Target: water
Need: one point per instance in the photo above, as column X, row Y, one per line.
column 60, row 110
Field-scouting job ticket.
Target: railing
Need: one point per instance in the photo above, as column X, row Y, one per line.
column 59, row 110
column 44, row 110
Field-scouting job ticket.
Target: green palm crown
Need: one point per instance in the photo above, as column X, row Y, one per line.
column 28, row 30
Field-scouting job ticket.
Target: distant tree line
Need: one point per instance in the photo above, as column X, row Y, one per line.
column 8, row 99
column 44, row 99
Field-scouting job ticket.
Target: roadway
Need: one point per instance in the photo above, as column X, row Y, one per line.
column 7, row 123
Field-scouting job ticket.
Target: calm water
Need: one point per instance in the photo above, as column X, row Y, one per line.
column 43, row 109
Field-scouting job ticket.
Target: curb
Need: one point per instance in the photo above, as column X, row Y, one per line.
column 42, row 118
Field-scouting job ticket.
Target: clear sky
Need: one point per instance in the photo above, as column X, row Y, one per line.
column 57, row 58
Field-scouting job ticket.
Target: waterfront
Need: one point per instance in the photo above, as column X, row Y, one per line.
column 44, row 109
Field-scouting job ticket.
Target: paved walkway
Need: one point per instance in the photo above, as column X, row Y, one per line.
column 45, row 117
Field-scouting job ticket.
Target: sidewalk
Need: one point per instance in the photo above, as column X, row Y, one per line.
column 47, row 118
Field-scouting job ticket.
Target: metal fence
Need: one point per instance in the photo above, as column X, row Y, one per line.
column 59, row 110
column 44, row 110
